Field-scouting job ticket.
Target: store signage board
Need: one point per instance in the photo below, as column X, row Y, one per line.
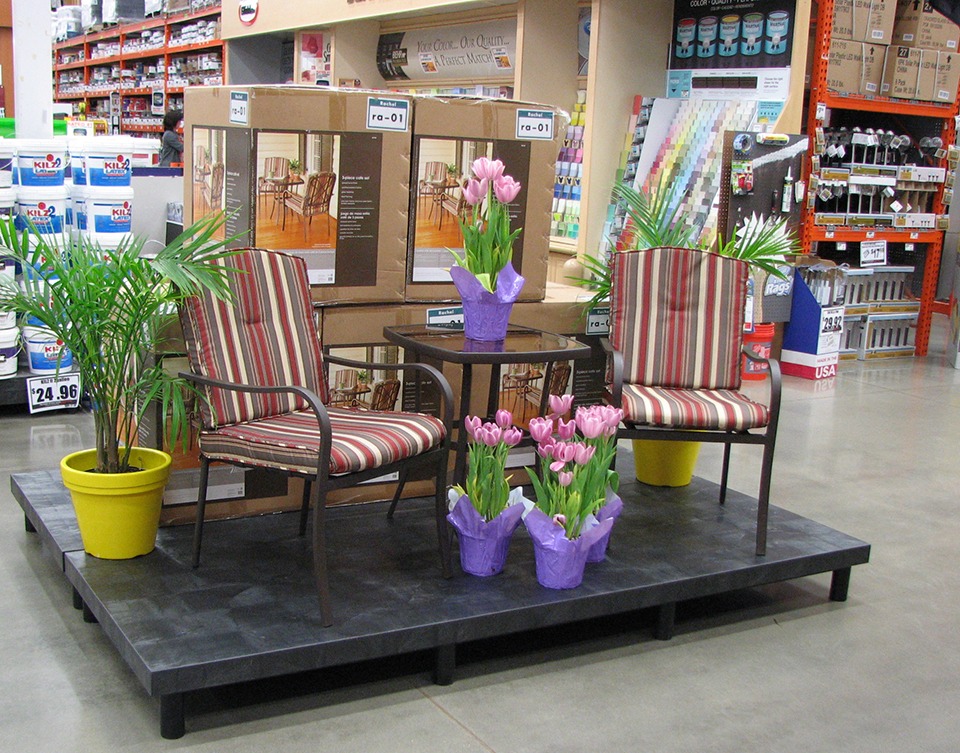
column 449, row 317
column 534, row 124
column 46, row 393
column 240, row 108
column 388, row 114
column 598, row 321
column 873, row 253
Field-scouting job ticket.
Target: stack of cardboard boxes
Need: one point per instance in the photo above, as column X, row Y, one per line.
column 905, row 50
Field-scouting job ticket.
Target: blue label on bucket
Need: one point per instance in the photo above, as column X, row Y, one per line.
column 112, row 217
column 43, row 215
column 45, row 352
column 113, row 171
column 41, row 170
column 78, row 173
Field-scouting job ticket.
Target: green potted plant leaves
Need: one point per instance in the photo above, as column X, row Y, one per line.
column 111, row 309
column 295, row 167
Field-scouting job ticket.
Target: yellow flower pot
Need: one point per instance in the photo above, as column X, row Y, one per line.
column 661, row 462
column 118, row 513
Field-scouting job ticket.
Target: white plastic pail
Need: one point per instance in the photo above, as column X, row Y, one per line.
column 7, row 154
column 109, row 214
column 44, row 351
column 108, row 162
column 41, row 162
column 9, row 350
column 44, row 206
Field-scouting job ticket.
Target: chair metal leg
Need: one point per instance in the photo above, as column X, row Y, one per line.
column 443, row 530
column 724, row 473
column 763, row 500
column 396, row 495
column 305, row 506
column 319, row 502
column 201, row 509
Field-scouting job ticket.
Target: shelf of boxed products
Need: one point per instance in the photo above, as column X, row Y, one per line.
column 865, row 183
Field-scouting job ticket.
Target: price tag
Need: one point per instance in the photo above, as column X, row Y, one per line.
column 831, row 328
column 535, row 124
column 450, row 317
column 873, row 253
column 821, row 111
column 53, row 392
column 598, row 321
column 387, row 114
column 240, row 108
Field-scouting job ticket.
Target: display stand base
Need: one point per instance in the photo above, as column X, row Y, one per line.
column 250, row 611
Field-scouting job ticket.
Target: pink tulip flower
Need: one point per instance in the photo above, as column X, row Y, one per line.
column 490, row 435
column 540, row 428
column 611, row 416
column 503, row 418
column 566, row 429
column 590, row 422
column 565, row 478
column 505, row 189
column 560, row 404
column 512, row 436
column 471, row 424
column 545, row 448
column 475, row 191
column 557, row 466
column 583, row 453
column 564, row 451
column 560, row 520
column 487, row 169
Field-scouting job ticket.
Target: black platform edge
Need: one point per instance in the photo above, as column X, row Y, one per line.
column 41, row 495
column 249, row 611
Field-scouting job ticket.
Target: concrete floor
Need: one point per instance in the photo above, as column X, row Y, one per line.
column 872, row 453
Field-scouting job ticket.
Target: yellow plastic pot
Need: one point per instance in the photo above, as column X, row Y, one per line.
column 661, row 462
column 118, row 513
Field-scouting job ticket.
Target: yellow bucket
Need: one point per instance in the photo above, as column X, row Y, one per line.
column 118, row 513
column 660, row 462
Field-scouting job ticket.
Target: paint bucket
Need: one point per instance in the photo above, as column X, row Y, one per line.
column 8, row 201
column 78, row 211
column 707, row 37
column 109, row 214
column 686, row 33
column 751, row 35
column 44, row 206
column 778, row 24
column 78, row 152
column 7, row 154
column 41, row 162
column 760, row 341
column 108, row 162
column 45, row 352
column 9, row 350
column 729, row 35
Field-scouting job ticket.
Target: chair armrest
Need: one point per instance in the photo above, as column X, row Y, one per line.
column 616, row 381
column 446, row 394
column 776, row 380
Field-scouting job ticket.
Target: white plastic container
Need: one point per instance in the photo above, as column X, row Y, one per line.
column 78, row 211
column 9, row 349
column 109, row 215
column 109, row 162
column 45, row 353
column 8, row 201
column 78, row 152
column 146, row 151
column 45, row 206
column 7, row 155
column 8, row 319
column 41, row 162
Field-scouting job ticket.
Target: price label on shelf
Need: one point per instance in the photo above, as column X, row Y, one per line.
column 53, row 392
column 831, row 327
column 388, row 114
column 598, row 321
column 449, row 317
column 873, row 253
column 535, row 124
column 240, row 108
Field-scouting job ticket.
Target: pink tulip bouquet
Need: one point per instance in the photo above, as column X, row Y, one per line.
column 487, row 237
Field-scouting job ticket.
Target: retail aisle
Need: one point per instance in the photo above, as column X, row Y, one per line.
column 777, row 669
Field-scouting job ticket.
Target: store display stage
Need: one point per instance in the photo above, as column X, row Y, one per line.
column 249, row 611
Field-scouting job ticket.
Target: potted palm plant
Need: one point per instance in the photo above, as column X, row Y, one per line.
column 111, row 308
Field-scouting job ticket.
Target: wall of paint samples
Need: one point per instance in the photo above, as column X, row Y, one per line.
column 565, row 221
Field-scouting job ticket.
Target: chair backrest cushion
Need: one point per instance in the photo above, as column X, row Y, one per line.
column 677, row 317
column 266, row 335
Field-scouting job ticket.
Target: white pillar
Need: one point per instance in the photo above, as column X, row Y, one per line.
column 33, row 68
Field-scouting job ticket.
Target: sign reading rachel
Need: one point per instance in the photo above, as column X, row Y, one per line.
column 486, row 49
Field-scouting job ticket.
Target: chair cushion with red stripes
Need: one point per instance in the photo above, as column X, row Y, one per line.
column 677, row 316
column 725, row 410
column 266, row 335
column 361, row 440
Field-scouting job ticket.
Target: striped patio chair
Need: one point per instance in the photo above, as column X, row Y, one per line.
column 676, row 336
column 259, row 359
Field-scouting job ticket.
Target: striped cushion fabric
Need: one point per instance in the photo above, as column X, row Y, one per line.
column 677, row 315
column 265, row 336
column 361, row 440
column 726, row 410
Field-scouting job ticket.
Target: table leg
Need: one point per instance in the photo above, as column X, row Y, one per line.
column 493, row 395
column 171, row 716
column 466, row 384
column 545, row 392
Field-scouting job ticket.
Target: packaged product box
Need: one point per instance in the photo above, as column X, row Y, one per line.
column 925, row 75
column 449, row 134
column 917, row 24
column 855, row 67
column 344, row 208
column 813, row 336
column 864, row 20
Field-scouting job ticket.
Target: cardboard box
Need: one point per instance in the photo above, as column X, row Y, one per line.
column 917, row 24
column 864, row 20
column 457, row 131
column 925, row 75
column 813, row 336
column 355, row 143
column 855, row 67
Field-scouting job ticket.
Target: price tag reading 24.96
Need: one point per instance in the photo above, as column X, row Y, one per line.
column 53, row 392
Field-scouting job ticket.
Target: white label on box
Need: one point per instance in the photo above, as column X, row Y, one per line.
column 240, row 108
column 873, row 253
column 821, row 110
column 831, row 328
column 598, row 321
column 449, row 317
column 877, row 33
column 53, row 392
column 535, row 124
column 388, row 114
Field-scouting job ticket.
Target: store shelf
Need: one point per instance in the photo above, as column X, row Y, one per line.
column 886, row 104
column 854, row 235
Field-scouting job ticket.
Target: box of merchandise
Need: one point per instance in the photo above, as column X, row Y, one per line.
column 813, row 336
column 454, row 132
column 864, row 20
column 855, row 67
column 916, row 73
column 917, row 24
column 345, row 211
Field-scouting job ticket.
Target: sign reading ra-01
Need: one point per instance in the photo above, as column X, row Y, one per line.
column 534, row 124
column 387, row 114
